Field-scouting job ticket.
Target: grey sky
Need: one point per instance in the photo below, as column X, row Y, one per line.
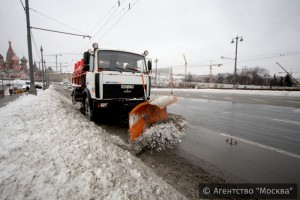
column 201, row 29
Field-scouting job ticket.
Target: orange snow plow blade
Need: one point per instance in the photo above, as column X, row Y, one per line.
column 147, row 113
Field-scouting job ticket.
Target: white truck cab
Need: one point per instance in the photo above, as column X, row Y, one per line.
column 111, row 82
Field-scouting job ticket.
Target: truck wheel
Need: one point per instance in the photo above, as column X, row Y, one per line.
column 73, row 98
column 87, row 110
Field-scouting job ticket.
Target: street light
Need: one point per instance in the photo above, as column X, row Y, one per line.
column 235, row 63
column 156, row 60
column 222, row 57
column 43, row 77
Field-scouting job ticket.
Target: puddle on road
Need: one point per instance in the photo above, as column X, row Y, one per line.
column 236, row 161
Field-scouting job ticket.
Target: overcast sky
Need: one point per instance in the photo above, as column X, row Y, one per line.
column 201, row 29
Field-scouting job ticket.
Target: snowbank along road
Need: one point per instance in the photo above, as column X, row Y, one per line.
column 49, row 150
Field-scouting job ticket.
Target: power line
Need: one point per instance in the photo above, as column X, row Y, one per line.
column 43, row 29
column 22, row 4
column 55, row 20
column 108, row 18
column 129, row 8
column 107, row 21
column 37, row 51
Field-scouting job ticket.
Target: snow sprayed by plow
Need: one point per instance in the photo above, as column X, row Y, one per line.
column 160, row 136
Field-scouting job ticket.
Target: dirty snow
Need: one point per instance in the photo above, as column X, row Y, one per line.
column 166, row 134
column 229, row 91
column 48, row 150
column 160, row 136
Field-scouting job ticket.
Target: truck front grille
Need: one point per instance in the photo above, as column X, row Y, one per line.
column 113, row 91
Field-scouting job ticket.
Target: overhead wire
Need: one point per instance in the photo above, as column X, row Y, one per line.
column 37, row 52
column 109, row 20
column 113, row 16
column 83, row 47
column 55, row 20
column 23, row 5
column 129, row 8
column 43, row 29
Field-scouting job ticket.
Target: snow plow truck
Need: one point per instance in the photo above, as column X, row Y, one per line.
column 115, row 82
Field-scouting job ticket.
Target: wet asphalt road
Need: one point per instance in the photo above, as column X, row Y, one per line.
column 242, row 138
column 265, row 145
column 8, row 98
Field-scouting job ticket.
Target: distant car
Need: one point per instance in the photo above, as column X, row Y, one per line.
column 38, row 86
column 69, row 85
column 61, row 83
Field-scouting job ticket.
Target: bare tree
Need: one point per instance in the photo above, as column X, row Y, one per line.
column 254, row 76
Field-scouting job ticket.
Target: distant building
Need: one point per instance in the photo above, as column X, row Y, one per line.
column 14, row 67
column 165, row 77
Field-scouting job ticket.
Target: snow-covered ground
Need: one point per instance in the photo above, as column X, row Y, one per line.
column 228, row 91
column 48, row 150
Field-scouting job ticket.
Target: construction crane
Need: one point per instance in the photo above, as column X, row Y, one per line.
column 290, row 73
column 210, row 69
column 294, row 80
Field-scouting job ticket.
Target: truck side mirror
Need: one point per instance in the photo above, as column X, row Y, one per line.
column 149, row 65
column 86, row 58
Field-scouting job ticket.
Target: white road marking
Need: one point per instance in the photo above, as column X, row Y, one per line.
column 287, row 121
column 293, row 101
column 226, row 112
column 258, row 100
column 263, row 146
column 228, row 98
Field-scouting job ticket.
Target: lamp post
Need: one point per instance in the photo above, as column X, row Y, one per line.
column 43, row 77
column 155, row 70
column 32, row 89
column 56, row 59
column 235, row 62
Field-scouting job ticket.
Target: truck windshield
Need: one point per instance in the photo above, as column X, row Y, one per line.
column 121, row 61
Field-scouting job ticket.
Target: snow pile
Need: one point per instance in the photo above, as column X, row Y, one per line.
column 160, row 136
column 48, row 150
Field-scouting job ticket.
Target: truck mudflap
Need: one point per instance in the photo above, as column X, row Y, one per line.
column 147, row 113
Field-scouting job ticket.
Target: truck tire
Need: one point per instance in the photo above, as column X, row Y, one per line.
column 88, row 111
column 73, row 98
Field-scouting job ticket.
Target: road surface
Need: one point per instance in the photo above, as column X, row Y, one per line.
column 8, row 98
column 265, row 145
column 236, row 138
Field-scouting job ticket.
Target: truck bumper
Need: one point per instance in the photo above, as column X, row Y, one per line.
column 121, row 106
